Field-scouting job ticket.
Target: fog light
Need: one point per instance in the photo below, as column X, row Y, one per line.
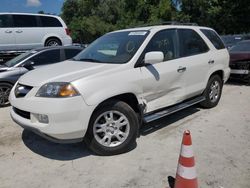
column 41, row 118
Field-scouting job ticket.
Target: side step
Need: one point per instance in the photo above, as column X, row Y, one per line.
column 169, row 110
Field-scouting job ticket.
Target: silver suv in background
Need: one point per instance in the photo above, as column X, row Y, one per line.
column 21, row 31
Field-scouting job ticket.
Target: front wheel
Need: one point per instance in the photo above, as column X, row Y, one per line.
column 5, row 89
column 212, row 92
column 112, row 129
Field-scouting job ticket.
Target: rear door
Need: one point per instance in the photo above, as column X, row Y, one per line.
column 195, row 56
column 28, row 35
column 163, row 83
column 7, row 37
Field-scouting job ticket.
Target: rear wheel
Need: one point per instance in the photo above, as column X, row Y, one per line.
column 53, row 42
column 112, row 129
column 5, row 89
column 212, row 92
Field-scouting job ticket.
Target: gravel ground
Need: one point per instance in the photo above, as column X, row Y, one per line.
column 221, row 142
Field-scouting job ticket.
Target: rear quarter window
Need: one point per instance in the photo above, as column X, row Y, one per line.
column 214, row 38
column 50, row 22
column 70, row 53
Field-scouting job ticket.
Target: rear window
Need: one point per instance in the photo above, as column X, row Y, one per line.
column 4, row 21
column 24, row 21
column 214, row 38
column 50, row 22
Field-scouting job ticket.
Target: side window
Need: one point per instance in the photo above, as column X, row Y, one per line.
column 191, row 43
column 164, row 41
column 4, row 21
column 47, row 57
column 24, row 21
column 214, row 38
column 70, row 53
column 50, row 22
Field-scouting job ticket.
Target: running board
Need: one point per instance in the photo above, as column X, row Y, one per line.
column 167, row 111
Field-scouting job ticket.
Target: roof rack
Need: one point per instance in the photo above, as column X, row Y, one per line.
column 169, row 23
column 179, row 23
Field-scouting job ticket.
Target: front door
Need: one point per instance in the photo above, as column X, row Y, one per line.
column 7, row 37
column 163, row 83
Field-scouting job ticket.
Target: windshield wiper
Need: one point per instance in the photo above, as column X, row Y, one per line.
column 87, row 59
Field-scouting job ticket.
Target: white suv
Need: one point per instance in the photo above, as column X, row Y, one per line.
column 21, row 31
column 124, row 78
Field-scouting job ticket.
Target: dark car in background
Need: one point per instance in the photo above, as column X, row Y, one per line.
column 13, row 69
column 240, row 60
column 231, row 40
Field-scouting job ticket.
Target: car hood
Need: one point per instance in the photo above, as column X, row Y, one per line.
column 3, row 68
column 66, row 71
column 239, row 56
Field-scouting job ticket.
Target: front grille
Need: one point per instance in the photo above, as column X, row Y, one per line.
column 22, row 113
column 22, row 90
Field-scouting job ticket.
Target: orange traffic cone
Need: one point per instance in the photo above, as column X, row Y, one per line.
column 186, row 173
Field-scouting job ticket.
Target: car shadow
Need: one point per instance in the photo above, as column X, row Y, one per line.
column 66, row 152
column 151, row 127
column 48, row 149
column 237, row 82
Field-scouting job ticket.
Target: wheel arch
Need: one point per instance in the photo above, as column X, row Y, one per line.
column 52, row 37
column 128, row 98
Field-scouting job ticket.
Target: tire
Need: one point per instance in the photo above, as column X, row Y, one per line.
column 212, row 92
column 5, row 89
column 102, row 139
column 53, row 42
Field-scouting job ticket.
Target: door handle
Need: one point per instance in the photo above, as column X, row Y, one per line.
column 19, row 31
column 8, row 31
column 211, row 61
column 181, row 69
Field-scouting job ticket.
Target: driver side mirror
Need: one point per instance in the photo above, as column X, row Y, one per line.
column 154, row 57
column 29, row 65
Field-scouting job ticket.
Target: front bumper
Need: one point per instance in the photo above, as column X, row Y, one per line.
column 68, row 117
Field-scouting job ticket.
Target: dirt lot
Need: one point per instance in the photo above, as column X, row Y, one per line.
column 221, row 141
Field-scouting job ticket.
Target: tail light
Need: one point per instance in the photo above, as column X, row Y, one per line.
column 68, row 31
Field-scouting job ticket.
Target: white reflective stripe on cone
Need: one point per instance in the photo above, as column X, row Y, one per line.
column 186, row 172
column 187, row 151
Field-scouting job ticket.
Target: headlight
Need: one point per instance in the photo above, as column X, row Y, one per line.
column 57, row 89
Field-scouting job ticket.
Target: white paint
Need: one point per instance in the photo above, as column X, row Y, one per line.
column 186, row 172
column 187, row 151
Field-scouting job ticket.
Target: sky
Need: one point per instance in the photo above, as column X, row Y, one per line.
column 31, row 6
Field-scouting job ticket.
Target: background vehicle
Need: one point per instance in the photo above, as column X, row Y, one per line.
column 21, row 31
column 122, row 79
column 231, row 40
column 13, row 69
column 240, row 60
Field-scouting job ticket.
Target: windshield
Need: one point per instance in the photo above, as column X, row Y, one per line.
column 19, row 58
column 241, row 47
column 114, row 48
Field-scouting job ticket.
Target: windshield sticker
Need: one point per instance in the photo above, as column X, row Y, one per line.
column 138, row 33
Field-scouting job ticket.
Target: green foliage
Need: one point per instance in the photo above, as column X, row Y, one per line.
column 89, row 19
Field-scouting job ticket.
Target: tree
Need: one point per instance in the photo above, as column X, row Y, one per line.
column 93, row 18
